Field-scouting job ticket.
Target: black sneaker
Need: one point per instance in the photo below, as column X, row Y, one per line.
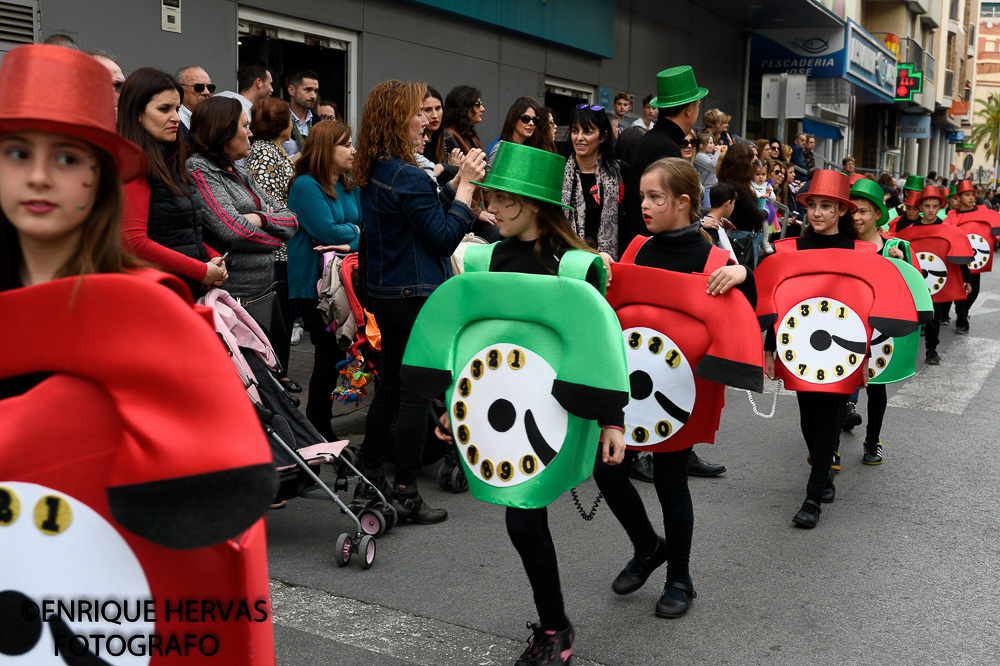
column 547, row 646
column 852, row 419
column 873, row 453
column 962, row 326
column 932, row 358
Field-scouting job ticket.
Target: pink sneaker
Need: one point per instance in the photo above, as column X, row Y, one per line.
column 547, row 647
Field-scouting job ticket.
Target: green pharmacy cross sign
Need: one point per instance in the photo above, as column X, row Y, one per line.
column 908, row 82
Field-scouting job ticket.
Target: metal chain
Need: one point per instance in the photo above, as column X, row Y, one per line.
column 579, row 507
column 774, row 402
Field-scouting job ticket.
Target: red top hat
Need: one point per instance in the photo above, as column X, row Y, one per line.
column 855, row 178
column 829, row 184
column 965, row 186
column 944, row 194
column 83, row 105
column 932, row 192
column 912, row 198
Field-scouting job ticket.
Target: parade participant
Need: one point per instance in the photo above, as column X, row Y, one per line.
column 944, row 253
column 870, row 212
column 685, row 394
column 911, row 191
column 820, row 327
column 489, row 392
column 979, row 224
column 110, row 491
column 410, row 230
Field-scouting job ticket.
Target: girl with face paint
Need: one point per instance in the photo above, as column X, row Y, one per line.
column 669, row 192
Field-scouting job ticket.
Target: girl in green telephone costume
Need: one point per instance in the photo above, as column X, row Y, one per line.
column 536, row 362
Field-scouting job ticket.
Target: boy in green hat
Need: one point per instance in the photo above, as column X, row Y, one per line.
column 871, row 213
column 678, row 99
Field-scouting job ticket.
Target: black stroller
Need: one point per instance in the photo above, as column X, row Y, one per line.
column 298, row 449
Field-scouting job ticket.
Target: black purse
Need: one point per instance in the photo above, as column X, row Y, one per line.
column 266, row 312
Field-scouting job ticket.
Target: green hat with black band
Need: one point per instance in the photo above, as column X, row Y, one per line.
column 868, row 189
column 676, row 86
column 530, row 172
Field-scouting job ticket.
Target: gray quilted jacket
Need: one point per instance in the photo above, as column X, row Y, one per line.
column 227, row 198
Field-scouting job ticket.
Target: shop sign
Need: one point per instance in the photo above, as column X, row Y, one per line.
column 869, row 62
column 908, row 81
column 959, row 108
column 955, row 136
column 914, row 127
column 815, row 52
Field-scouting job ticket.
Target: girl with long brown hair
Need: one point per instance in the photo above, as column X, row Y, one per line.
column 162, row 220
column 536, row 237
column 525, row 123
column 410, row 232
column 328, row 208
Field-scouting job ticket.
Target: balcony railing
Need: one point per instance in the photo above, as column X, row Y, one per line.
column 930, row 65
column 949, row 83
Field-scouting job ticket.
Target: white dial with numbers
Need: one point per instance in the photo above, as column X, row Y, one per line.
column 506, row 423
column 661, row 387
column 821, row 340
column 980, row 250
column 882, row 347
column 934, row 270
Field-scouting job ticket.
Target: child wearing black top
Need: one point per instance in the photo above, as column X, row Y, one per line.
column 669, row 194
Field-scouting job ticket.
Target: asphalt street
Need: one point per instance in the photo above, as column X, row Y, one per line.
column 902, row 568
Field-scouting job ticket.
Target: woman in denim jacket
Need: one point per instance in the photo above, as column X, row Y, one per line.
column 410, row 233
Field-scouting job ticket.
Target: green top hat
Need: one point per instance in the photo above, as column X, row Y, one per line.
column 676, row 86
column 530, row 172
column 868, row 189
column 914, row 182
column 953, row 190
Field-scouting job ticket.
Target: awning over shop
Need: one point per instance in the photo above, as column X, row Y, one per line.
column 822, row 130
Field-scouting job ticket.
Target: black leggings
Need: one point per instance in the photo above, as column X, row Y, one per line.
column 670, row 476
column 821, row 416
column 324, row 372
column 962, row 307
column 932, row 329
column 529, row 532
column 877, row 401
column 392, row 403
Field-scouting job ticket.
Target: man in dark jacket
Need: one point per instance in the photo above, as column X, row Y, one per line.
column 678, row 98
column 679, row 102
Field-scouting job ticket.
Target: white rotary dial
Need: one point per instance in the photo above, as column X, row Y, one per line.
column 821, row 340
column 662, row 388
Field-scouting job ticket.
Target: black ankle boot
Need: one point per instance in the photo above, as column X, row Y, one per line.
column 411, row 506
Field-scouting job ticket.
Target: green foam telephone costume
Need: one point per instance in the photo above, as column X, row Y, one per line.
column 895, row 359
column 530, row 364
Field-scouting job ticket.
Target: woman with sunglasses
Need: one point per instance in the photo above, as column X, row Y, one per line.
column 687, row 145
column 523, row 125
column 162, row 219
column 592, row 186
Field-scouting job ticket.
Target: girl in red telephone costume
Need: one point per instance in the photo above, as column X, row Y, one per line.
column 134, row 473
column 673, row 401
column 818, row 312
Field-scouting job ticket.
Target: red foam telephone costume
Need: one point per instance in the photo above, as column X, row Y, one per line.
column 823, row 305
column 940, row 249
column 692, row 345
column 133, row 465
column 980, row 225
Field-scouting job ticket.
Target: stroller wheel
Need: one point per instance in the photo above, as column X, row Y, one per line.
column 459, row 484
column 389, row 514
column 444, row 477
column 372, row 522
column 343, row 551
column 367, row 551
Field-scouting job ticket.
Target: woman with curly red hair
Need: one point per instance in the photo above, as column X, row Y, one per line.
column 410, row 232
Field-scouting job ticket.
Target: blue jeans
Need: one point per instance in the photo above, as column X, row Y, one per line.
column 755, row 237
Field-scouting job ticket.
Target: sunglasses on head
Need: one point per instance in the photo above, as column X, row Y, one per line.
column 592, row 108
column 200, row 87
column 525, row 118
